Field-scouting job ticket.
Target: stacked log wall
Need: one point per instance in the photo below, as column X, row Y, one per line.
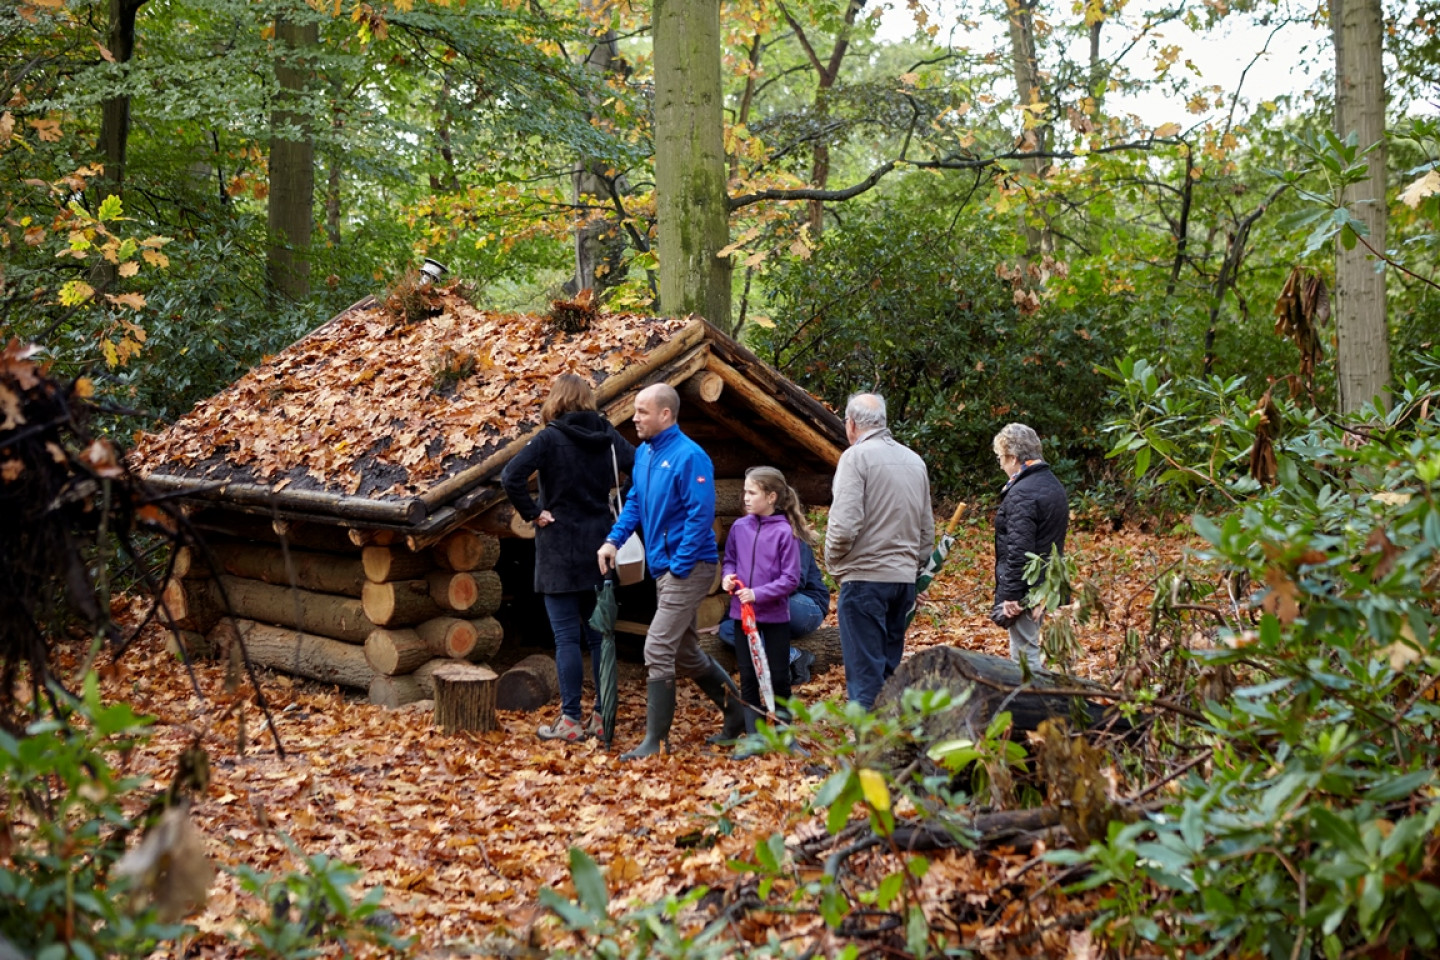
column 377, row 618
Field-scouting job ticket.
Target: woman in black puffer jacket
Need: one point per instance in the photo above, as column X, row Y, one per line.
column 1032, row 518
column 578, row 456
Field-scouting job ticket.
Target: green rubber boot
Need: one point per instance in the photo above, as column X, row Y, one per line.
column 722, row 691
column 659, row 715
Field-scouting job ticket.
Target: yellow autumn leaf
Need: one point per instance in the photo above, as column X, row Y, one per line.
column 155, row 258
column 1167, row 130
column 876, row 793
column 765, row 322
column 75, row 292
column 84, row 388
column 129, row 268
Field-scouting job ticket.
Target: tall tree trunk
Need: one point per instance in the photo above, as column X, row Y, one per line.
column 1020, row 17
column 690, row 198
column 1362, row 354
column 588, row 179
column 115, row 113
column 335, row 167
column 292, row 163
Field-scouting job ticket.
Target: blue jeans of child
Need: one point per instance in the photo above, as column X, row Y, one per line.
column 569, row 620
column 805, row 618
column 872, row 634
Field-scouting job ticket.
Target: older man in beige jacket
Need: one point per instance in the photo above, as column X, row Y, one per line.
column 880, row 532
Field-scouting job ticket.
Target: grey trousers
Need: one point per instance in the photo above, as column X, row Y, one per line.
column 1025, row 639
column 672, row 644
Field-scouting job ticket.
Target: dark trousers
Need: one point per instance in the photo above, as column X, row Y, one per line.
column 777, row 654
column 872, row 634
column 569, row 621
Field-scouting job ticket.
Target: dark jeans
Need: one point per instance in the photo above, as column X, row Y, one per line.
column 569, row 615
column 776, row 637
column 872, row 634
column 805, row 618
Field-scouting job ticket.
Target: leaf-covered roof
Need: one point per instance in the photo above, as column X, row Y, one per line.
column 373, row 407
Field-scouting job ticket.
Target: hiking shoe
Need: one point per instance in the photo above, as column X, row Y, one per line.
column 595, row 726
column 800, row 668
column 566, row 728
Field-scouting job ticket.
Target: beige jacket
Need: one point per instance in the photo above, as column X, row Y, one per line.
column 881, row 527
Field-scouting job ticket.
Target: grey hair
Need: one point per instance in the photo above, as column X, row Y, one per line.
column 866, row 410
column 1019, row 441
column 665, row 395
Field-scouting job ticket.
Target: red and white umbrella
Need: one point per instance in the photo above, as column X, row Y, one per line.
column 757, row 650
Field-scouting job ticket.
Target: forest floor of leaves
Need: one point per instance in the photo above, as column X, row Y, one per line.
column 463, row 831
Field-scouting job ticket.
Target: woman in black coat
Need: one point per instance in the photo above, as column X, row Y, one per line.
column 1032, row 518
column 579, row 457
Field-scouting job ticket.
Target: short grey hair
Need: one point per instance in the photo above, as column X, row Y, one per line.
column 866, row 410
column 1019, row 441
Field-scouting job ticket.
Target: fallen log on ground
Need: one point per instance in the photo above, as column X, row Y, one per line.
column 529, row 685
column 982, row 686
column 824, row 643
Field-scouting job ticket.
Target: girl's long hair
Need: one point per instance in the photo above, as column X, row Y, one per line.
column 787, row 501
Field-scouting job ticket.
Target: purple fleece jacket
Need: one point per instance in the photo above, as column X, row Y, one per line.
column 763, row 553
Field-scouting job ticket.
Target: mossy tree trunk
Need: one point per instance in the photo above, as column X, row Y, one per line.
column 692, row 205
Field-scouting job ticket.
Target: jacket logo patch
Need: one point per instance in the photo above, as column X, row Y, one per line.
column 699, row 479
column 664, row 463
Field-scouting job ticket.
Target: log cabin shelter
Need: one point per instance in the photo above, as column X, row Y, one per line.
column 376, row 444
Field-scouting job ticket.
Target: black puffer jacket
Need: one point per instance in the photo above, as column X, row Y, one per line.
column 572, row 456
column 1033, row 516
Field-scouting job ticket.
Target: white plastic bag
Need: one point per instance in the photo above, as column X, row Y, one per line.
column 630, row 561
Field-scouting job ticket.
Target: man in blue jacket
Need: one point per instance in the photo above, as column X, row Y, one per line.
column 672, row 499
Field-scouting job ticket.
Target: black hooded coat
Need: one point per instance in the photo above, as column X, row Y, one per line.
column 573, row 457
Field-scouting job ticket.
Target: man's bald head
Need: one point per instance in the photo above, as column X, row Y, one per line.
column 656, row 409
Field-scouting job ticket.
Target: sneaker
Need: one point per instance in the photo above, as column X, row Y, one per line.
column 595, row 726
column 800, row 668
column 571, row 731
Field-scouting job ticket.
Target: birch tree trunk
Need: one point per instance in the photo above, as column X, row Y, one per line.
column 292, row 164
column 1362, row 354
column 691, row 203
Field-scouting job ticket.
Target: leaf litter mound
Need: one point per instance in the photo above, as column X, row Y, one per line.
column 371, row 404
column 464, row 831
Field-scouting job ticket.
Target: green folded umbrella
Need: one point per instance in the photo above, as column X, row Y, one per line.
column 936, row 562
column 603, row 621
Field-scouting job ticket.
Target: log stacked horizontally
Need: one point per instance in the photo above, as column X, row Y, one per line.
column 379, row 618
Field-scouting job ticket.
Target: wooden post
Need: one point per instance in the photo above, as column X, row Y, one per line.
column 266, row 562
column 501, row 520
column 400, row 603
column 529, row 685
column 453, row 591
column 704, row 387
column 305, row 655
column 394, row 652
column 397, row 691
column 325, row 614
column 467, row 550
column 465, row 698
column 384, row 564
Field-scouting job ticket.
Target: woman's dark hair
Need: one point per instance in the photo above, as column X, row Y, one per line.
column 568, row 393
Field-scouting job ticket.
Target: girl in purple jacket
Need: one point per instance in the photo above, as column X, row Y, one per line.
column 761, row 552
